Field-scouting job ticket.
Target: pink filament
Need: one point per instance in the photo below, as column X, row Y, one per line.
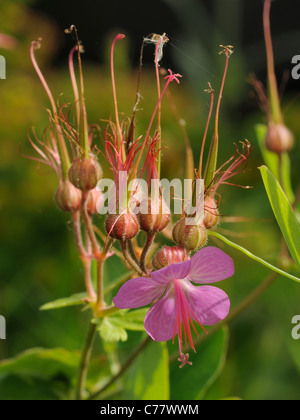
column 184, row 317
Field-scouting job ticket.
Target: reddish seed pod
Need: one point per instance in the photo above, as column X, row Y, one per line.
column 68, row 197
column 157, row 217
column 211, row 213
column 279, row 138
column 85, row 173
column 122, row 226
column 190, row 237
column 168, row 255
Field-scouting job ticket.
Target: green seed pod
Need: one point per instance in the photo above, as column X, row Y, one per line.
column 189, row 237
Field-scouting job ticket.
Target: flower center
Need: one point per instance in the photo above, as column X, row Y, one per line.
column 184, row 317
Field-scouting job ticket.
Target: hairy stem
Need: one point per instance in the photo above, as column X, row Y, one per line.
column 89, row 226
column 149, row 242
column 85, row 258
column 132, row 251
column 100, row 293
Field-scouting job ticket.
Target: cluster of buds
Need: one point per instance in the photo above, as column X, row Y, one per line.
column 77, row 175
column 68, row 149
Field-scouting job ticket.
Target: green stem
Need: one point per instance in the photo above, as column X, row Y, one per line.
column 254, row 257
column 214, row 147
column 129, row 259
column 84, row 362
column 272, row 83
column 108, row 311
column 123, row 369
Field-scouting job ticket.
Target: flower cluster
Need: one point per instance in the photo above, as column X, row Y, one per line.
column 167, row 276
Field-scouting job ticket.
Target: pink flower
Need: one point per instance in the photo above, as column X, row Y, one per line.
column 178, row 301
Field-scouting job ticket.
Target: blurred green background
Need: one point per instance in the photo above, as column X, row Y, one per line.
column 38, row 260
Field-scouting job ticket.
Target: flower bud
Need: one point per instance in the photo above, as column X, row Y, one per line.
column 168, row 255
column 68, row 197
column 95, row 201
column 190, row 237
column 211, row 213
column 122, row 226
column 279, row 138
column 85, row 173
column 157, row 217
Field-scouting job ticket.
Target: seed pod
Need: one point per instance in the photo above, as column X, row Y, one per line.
column 279, row 138
column 157, row 217
column 67, row 197
column 190, row 237
column 168, row 255
column 122, row 226
column 211, row 213
column 85, row 173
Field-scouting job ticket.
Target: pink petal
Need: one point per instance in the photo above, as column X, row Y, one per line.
column 172, row 272
column 209, row 304
column 210, row 265
column 138, row 292
column 160, row 319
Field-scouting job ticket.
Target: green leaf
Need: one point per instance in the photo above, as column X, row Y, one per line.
column 132, row 320
column 23, row 389
column 283, row 212
column 42, row 363
column 113, row 328
column 272, row 162
column 191, row 382
column 254, row 257
column 39, row 374
column 110, row 331
column 76, row 299
column 148, row 377
column 80, row 298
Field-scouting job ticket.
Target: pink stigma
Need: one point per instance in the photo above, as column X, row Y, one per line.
column 184, row 359
column 120, row 36
column 170, row 77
